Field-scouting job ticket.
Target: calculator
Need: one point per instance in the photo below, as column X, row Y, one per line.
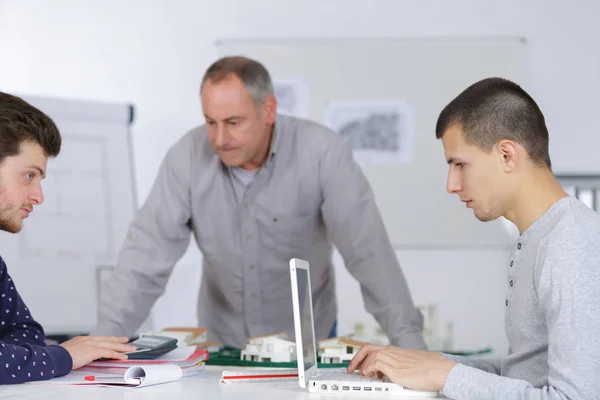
column 150, row 347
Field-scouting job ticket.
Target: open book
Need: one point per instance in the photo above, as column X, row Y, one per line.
column 138, row 376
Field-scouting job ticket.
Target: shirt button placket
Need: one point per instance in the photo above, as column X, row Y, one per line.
column 511, row 283
column 249, row 275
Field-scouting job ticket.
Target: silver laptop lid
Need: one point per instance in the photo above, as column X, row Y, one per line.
column 303, row 321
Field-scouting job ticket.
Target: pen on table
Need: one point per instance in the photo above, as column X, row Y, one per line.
column 93, row 378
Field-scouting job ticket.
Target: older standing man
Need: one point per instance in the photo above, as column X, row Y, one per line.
column 256, row 189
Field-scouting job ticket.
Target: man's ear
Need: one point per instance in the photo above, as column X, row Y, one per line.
column 509, row 153
column 269, row 109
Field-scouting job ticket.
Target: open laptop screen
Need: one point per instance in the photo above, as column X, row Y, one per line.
column 305, row 340
column 307, row 321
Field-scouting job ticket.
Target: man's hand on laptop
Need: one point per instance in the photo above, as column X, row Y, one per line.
column 419, row 370
column 85, row 349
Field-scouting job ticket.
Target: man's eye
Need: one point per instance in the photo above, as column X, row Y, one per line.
column 29, row 175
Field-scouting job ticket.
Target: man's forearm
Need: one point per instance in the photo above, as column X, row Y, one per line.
column 469, row 383
column 491, row 365
column 126, row 300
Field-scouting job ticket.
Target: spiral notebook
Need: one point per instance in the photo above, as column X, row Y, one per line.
column 136, row 377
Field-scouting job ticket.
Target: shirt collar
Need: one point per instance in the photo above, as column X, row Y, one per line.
column 542, row 225
column 276, row 136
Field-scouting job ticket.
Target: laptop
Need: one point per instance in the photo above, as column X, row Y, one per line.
column 329, row 380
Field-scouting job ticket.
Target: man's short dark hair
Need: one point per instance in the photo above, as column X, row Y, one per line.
column 21, row 122
column 496, row 109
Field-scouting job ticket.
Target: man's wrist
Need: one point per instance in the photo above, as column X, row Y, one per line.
column 444, row 371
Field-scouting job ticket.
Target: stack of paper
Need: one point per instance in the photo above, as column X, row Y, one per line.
column 187, row 358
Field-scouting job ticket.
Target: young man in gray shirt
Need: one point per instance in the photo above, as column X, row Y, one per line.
column 256, row 189
column 496, row 144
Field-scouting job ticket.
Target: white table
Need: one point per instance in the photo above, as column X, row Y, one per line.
column 203, row 386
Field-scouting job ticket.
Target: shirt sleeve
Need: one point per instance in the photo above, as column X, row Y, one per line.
column 157, row 238
column 356, row 228
column 568, row 287
column 24, row 357
column 489, row 365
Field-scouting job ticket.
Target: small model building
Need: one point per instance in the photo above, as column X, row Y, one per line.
column 269, row 348
column 338, row 350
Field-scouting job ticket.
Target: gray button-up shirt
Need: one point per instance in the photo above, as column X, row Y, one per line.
column 309, row 194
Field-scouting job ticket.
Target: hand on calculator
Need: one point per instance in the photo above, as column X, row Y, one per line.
column 85, row 349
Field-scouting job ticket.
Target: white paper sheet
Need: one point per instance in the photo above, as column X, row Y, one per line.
column 181, row 353
column 153, row 374
column 176, row 358
column 138, row 376
column 292, row 94
column 379, row 132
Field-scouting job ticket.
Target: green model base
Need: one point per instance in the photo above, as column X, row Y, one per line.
column 230, row 356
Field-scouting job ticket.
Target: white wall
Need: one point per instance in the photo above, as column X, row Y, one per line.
column 153, row 54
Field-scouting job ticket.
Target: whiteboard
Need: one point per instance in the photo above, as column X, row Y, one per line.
column 89, row 203
column 424, row 73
